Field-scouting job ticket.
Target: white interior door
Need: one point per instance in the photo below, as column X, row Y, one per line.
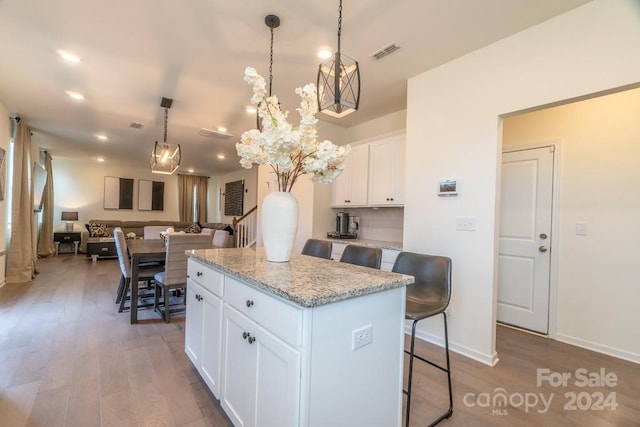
column 525, row 238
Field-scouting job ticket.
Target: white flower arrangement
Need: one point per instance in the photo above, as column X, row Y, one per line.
column 290, row 152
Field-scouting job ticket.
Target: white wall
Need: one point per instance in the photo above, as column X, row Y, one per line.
column 380, row 126
column 599, row 183
column 5, row 128
column 453, row 131
column 79, row 185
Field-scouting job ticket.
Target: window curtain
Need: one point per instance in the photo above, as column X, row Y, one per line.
column 192, row 191
column 45, row 240
column 21, row 256
column 201, row 198
column 186, row 183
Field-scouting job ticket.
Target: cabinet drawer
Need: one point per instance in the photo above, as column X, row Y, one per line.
column 275, row 315
column 208, row 278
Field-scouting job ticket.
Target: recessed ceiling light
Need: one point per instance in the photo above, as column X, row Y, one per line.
column 251, row 110
column 221, row 156
column 190, row 170
column 222, row 129
column 101, row 137
column 100, row 159
column 68, row 56
column 324, row 54
column 75, row 95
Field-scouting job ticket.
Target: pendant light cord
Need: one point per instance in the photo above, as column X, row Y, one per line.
column 271, row 63
column 166, row 118
column 339, row 24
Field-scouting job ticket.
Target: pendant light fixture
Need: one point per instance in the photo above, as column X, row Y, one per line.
column 165, row 157
column 272, row 22
column 338, row 82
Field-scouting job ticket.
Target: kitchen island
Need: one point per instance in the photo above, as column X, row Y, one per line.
column 310, row 342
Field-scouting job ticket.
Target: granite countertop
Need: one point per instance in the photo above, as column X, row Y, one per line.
column 304, row 280
column 397, row 246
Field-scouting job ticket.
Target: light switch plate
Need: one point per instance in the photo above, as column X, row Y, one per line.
column 466, row 223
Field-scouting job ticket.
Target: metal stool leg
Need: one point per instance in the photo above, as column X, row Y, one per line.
column 412, row 355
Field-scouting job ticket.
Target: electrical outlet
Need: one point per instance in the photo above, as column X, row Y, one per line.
column 361, row 337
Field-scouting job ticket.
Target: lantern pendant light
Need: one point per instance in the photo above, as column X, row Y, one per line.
column 272, row 22
column 165, row 157
column 338, row 82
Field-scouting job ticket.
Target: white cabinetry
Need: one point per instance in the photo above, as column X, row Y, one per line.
column 203, row 325
column 350, row 187
column 386, row 171
column 286, row 365
column 261, row 383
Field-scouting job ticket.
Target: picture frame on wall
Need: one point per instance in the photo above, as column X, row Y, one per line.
column 150, row 195
column 118, row 193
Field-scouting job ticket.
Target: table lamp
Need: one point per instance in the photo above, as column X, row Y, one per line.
column 69, row 217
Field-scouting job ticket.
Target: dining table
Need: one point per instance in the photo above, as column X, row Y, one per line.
column 142, row 250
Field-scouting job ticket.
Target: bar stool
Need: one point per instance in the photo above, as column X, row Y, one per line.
column 362, row 255
column 427, row 297
column 317, row 248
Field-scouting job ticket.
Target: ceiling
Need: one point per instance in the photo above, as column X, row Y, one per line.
column 133, row 53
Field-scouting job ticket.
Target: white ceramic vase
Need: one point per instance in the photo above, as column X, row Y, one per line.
column 279, row 225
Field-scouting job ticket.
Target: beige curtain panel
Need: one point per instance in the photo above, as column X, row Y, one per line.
column 45, row 240
column 21, row 256
column 188, row 186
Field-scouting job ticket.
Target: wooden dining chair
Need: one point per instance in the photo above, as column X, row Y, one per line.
column 174, row 275
column 145, row 272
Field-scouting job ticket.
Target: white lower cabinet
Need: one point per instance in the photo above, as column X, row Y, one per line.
column 261, row 380
column 203, row 328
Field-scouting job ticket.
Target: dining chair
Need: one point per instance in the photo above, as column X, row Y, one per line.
column 318, row 248
column 145, row 272
column 153, row 231
column 220, row 238
column 427, row 297
column 362, row 255
column 174, row 275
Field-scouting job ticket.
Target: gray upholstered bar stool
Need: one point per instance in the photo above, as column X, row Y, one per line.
column 362, row 255
column 427, row 297
column 317, row 248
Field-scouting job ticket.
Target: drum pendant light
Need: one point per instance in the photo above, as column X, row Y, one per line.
column 338, row 82
column 165, row 157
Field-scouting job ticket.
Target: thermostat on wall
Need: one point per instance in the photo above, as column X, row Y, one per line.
column 448, row 188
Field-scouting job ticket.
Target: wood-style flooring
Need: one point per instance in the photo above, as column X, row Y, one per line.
column 68, row 358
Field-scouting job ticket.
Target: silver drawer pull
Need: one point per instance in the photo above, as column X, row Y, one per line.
column 104, row 249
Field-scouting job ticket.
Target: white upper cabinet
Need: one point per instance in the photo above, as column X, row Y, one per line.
column 386, row 171
column 350, row 187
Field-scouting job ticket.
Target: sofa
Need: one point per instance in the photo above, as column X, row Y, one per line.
column 137, row 227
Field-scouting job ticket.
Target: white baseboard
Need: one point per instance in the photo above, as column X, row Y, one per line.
column 487, row 359
column 599, row 348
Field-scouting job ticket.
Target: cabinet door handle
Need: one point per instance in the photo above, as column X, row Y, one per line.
column 251, row 340
column 249, row 303
column 199, row 273
column 245, row 335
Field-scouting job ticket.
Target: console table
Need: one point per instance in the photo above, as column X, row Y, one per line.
column 71, row 238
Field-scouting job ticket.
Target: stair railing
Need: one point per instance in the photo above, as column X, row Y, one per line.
column 245, row 229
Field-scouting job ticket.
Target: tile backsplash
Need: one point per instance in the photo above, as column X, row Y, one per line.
column 379, row 224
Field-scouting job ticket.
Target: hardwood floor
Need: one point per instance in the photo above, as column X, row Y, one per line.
column 68, row 358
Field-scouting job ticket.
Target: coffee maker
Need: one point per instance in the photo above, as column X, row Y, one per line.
column 342, row 223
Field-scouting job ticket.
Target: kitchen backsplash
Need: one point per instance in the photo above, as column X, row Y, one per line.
column 379, row 224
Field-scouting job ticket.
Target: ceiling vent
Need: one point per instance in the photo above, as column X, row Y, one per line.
column 135, row 125
column 209, row 133
column 385, row 51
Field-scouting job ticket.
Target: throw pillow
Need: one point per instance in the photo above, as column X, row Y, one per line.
column 193, row 228
column 97, row 230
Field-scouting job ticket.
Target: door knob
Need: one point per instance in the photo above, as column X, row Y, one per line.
column 543, row 236
column 542, row 249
